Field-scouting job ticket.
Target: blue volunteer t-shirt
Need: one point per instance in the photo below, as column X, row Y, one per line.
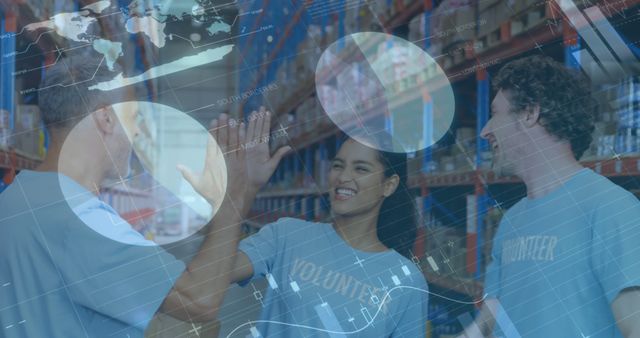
column 319, row 286
column 559, row 261
column 60, row 276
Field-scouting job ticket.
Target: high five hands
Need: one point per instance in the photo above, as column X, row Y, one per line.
column 247, row 157
column 260, row 164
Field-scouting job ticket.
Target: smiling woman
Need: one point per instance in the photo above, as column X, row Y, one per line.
column 369, row 186
column 356, row 265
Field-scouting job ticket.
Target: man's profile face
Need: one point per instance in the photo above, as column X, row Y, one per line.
column 504, row 135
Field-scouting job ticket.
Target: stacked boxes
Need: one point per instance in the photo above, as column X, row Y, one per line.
column 530, row 13
column 499, row 20
column 457, row 22
column 491, row 30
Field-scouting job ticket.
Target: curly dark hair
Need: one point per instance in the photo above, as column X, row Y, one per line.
column 567, row 109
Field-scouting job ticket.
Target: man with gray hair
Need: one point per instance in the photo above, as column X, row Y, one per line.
column 69, row 265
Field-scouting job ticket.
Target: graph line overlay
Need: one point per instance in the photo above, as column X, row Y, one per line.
column 384, row 299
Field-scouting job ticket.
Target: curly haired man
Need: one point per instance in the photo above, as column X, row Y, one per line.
column 565, row 257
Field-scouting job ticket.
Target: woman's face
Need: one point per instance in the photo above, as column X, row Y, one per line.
column 356, row 180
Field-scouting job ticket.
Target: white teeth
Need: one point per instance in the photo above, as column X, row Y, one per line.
column 343, row 191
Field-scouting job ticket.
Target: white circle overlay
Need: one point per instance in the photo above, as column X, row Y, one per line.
column 174, row 210
column 371, row 82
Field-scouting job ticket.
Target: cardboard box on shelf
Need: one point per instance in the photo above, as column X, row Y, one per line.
column 522, row 5
column 434, row 34
column 517, row 27
column 488, row 18
column 455, row 21
column 492, row 18
column 528, row 18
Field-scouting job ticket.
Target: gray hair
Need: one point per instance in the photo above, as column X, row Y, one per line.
column 64, row 97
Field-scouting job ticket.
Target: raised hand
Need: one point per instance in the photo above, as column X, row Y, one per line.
column 229, row 136
column 261, row 164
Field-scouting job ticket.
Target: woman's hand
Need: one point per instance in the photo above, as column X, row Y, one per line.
column 261, row 164
column 230, row 138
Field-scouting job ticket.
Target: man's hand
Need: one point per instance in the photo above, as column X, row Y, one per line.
column 261, row 164
column 229, row 136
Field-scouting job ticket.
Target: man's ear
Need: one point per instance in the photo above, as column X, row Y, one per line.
column 531, row 116
column 390, row 185
column 105, row 120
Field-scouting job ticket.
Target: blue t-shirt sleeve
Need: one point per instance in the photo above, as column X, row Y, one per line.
column 122, row 281
column 412, row 321
column 615, row 253
column 262, row 248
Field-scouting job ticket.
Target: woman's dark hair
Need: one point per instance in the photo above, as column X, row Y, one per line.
column 397, row 222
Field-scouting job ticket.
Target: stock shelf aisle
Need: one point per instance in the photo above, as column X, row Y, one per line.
column 462, row 200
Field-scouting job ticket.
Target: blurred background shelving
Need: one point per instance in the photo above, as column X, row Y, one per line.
column 278, row 46
column 459, row 198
